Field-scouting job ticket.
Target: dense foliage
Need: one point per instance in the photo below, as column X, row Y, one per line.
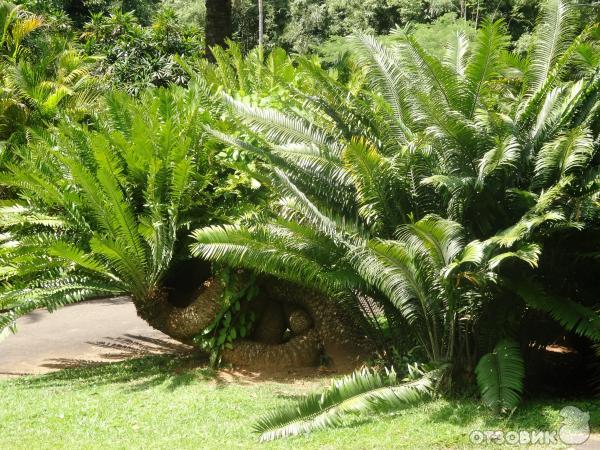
column 106, row 208
column 444, row 190
column 42, row 73
column 440, row 183
column 301, row 25
column 137, row 57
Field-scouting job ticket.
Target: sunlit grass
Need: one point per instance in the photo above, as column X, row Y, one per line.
column 166, row 402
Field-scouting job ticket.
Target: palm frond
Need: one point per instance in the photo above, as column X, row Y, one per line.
column 262, row 251
column 368, row 169
column 456, row 53
column 529, row 253
column 504, row 155
column 485, row 61
column 363, row 392
column 385, row 74
column 564, row 155
column 500, row 376
column 281, row 128
column 553, row 34
column 571, row 315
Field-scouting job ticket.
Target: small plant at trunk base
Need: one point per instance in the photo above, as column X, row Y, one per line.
column 234, row 320
column 363, row 392
column 500, row 376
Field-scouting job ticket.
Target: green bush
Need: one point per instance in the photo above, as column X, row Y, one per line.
column 443, row 188
column 138, row 57
column 106, row 209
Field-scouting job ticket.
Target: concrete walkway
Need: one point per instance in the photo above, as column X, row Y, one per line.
column 78, row 335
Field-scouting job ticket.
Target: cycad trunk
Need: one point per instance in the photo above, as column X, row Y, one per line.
column 295, row 327
column 181, row 323
column 218, row 25
column 318, row 331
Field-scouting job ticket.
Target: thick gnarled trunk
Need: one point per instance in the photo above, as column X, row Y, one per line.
column 182, row 323
column 295, row 327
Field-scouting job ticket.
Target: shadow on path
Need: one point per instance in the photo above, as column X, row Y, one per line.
column 128, row 346
column 172, row 370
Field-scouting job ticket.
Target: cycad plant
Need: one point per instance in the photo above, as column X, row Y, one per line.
column 434, row 186
column 105, row 210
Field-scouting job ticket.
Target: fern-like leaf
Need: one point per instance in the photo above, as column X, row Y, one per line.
column 500, row 376
column 362, row 392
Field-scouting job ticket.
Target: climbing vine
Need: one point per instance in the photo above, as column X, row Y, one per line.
column 234, row 320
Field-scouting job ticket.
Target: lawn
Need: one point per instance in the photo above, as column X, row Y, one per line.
column 166, row 402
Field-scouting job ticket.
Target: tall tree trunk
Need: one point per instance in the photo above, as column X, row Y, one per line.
column 261, row 23
column 219, row 25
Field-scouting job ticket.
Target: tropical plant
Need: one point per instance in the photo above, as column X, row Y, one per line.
column 363, row 392
column 500, row 376
column 259, row 75
column 105, row 210
column 137, row 57
column 42, row 75
column 434, row 186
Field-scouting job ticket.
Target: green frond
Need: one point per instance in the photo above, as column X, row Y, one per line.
column 262, row 252
column 455, row 56
column 310, row 211
column 455, row 136
column 76, row 255
column 523, row 228
column 441, row 239
column 527, row 110
column 529, row 253
column 567, row 153
column 429, row 75
column 556, row 110
column 363, row 392
column 504, row 155
column 485, row 63
column 552, row 36
column 386, row 76
column 281, row 128
column 571, row 315
column 369, row 170
column 401, row 272
column 19, row 215
column 500, row 376
column 51, row 294
column 472, row 254
column 324, row 170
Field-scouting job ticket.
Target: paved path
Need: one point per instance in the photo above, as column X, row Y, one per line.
column 80, row 334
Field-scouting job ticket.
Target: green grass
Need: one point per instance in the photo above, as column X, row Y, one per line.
column 164, row 402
